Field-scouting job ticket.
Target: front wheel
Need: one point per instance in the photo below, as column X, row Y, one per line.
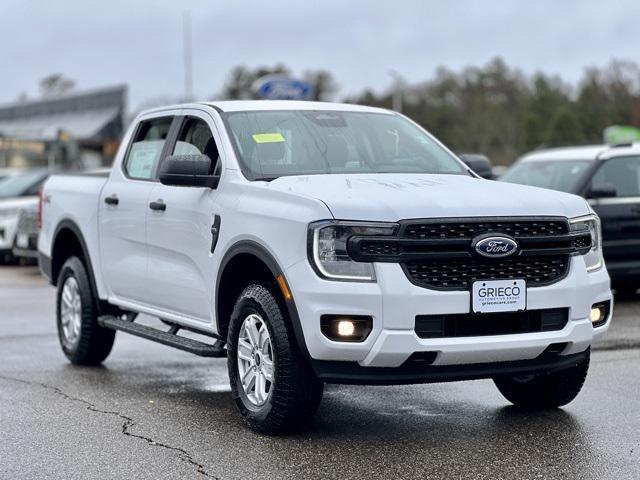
column 550, row 390
column 272, row 385
column 83, row 341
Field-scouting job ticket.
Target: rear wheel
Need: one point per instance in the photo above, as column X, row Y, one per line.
column 550, row 390
column 272, row 385
column 83, row 341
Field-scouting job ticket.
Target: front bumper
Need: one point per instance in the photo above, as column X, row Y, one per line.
column 411, row 373
column 394, row 302
column 26, row 245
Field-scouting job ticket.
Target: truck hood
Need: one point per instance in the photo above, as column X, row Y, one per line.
column 394, row 196
column 18, row 203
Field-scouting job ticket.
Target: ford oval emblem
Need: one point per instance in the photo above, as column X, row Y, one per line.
column 274, row 87
column 496, row 247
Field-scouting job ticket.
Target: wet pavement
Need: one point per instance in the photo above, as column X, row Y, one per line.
column 154, row 412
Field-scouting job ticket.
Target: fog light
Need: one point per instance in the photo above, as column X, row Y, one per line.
column 596, row 314
column 599, row 313
column 346, row 328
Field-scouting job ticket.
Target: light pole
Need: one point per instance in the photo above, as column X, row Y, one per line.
column 398, row 86
column 188, row 59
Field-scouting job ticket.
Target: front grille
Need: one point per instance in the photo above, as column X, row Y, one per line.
column 440, row 254
column 483, row 324
column 28, row 222
column 470, row 229
column 460, row 274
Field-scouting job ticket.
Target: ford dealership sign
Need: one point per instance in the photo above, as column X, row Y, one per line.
column 282, row 88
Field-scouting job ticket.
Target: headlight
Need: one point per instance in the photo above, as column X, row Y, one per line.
column 593, row 258
column 328, row 249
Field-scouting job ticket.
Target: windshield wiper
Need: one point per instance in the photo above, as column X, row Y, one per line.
column 265, row 179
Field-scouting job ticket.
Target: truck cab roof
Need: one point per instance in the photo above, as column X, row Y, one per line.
column 257, row 105
column 583, row 152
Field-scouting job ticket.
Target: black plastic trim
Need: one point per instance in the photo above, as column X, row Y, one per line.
column 257, row 250
column 417, row 283
column 352, row 373
column 403, row 249
column 45, row 264
column 518, row 218
column 169, row 339
column 71, row 225
column 526, row 248
column 459, row 325
column 215, row 232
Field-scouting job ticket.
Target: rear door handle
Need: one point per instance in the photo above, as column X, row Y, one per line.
column 158, row 205
column 112, row 200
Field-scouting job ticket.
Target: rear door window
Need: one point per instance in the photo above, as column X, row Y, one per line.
column 145, row 150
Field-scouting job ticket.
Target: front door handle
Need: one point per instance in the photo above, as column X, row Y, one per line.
column 158, row 205
column 112, row 200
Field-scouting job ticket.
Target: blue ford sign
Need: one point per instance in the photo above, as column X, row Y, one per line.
column 282, row 88
column 496, row 247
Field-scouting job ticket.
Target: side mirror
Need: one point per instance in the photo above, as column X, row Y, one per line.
column 602, row 192
column 188, row 171
column 479, row 163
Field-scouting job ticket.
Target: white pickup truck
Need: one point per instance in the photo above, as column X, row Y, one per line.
column 318, row 243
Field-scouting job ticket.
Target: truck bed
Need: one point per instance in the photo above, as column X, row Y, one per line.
column 72, row 200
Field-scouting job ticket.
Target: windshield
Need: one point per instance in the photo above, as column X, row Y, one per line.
column 271, row 144
column 560, row 175
column 19, row 185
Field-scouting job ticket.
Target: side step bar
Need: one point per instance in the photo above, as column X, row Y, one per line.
column 169, row 338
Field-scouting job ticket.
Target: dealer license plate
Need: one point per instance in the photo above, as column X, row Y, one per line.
column 491, row 296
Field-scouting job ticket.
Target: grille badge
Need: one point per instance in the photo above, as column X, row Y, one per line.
column 495, row 247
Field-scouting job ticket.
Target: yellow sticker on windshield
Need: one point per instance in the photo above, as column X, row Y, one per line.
column 268, row 137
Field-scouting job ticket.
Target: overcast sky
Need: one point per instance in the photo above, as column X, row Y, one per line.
column 140, row 42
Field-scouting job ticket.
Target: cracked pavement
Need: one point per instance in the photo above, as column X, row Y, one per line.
column 153, row 412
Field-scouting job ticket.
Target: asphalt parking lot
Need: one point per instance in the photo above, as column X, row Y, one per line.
column 153, row 412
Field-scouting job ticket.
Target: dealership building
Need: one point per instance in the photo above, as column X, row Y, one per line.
column 90, row 124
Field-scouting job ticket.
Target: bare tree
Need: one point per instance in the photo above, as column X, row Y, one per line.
column 55, row 85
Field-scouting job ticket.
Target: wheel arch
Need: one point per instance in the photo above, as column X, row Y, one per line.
column 243, row 253
column 69, row 241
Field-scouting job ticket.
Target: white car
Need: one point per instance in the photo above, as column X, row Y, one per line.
column 324, row 243
column 17, row 192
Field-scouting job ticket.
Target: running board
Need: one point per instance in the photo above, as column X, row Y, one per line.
column 169, row 338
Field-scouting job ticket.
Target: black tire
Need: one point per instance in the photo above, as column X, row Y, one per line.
column 7, row 258
column 545, row 391
column 296, row 392
column 93, row 343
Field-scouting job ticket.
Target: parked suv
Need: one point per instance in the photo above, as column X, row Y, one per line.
column 609, row 178
column 324, row 243
column 17, row 192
